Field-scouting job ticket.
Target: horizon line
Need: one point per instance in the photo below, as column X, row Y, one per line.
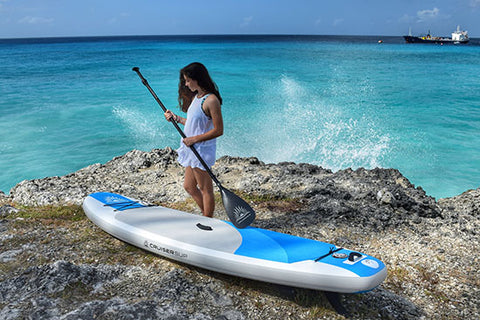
column 196, row 35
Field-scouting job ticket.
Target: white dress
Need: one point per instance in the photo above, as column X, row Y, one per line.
column 197, row 123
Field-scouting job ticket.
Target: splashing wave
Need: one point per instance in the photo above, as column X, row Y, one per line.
column 305, row 126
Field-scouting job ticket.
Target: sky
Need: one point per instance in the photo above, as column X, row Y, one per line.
column 67, row 18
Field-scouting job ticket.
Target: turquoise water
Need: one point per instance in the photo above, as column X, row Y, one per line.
column 337, row 102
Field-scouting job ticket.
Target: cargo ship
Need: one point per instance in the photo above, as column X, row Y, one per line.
column 458, row 37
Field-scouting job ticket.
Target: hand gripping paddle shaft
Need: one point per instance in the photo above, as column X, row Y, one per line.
column 239, row 212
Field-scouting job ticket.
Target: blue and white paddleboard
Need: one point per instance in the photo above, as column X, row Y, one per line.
column 250, row 252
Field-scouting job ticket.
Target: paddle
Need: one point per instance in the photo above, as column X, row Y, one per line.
column 239, row 212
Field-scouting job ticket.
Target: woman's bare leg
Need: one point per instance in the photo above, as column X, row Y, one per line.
column 190, row 185
column 199, row 185
column 205, row 185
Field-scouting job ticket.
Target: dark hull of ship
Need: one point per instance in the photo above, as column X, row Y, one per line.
column 411, row 39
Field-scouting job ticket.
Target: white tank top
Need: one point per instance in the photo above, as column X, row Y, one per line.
column 197, row 123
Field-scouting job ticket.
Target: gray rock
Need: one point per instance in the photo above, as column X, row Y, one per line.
column 378, row 197
column 7, row 210
column 49, row 291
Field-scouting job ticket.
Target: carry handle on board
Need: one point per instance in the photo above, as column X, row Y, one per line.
column 239, row 212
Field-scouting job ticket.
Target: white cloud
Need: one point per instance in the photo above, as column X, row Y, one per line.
column 424, row 15
column 338, row 21
column 35, row 20
column 117, row 19
column 246, row 21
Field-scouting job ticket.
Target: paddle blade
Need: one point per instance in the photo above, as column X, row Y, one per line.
column 239, row 212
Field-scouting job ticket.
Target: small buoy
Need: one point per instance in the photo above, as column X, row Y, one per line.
column 380, row 41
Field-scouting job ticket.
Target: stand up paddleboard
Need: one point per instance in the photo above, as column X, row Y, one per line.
column 217, row 245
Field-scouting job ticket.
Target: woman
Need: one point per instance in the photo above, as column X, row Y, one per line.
column 198, row 96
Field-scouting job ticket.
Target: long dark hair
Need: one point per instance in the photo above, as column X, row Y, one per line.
column 195, row 71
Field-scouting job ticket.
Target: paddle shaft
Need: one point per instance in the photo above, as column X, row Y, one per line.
column 145, row 83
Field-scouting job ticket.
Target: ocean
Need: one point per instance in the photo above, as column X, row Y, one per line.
column 335, row 101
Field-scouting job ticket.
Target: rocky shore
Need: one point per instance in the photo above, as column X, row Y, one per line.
column 55, row 264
